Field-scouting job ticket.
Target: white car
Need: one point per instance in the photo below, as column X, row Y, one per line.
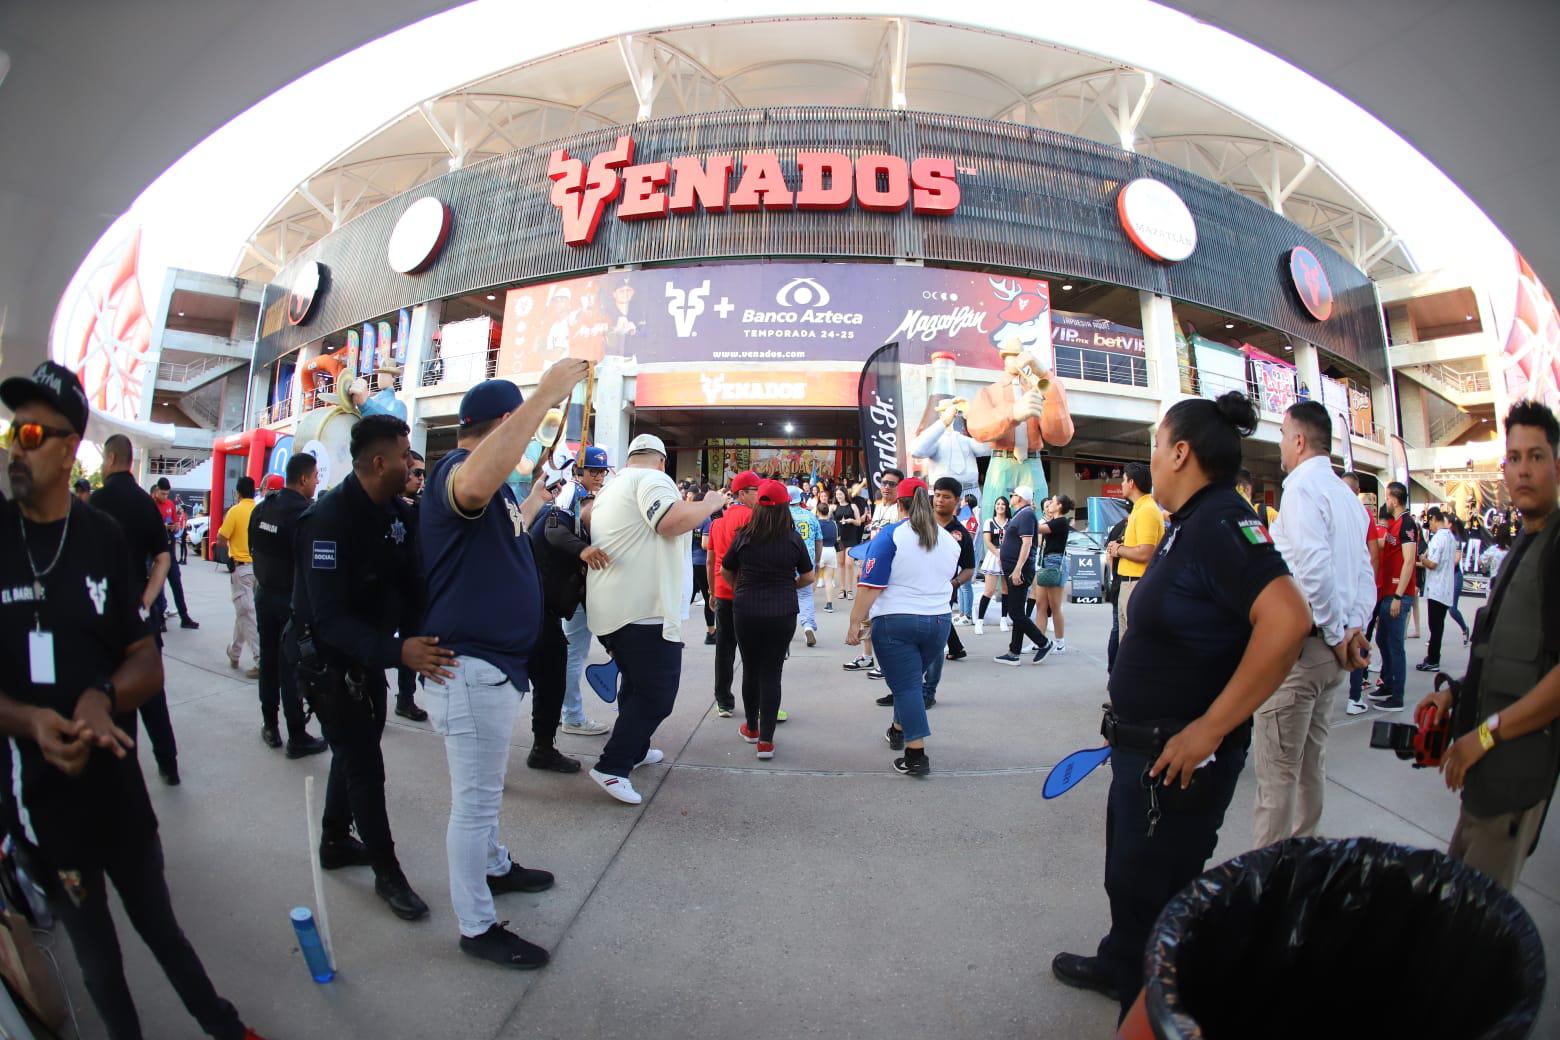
column 195, row 530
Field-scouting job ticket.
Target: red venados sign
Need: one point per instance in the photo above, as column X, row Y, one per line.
column 828, row 180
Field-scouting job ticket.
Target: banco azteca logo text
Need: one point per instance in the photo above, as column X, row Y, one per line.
column 877, row 183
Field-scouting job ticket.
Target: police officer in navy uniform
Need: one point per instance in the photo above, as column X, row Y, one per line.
column 1213, row 627
column 76, row 659
column 358, row 583
column 272, row 527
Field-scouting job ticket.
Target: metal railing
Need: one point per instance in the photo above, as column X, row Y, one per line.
column 184, row 371
column 1456, row 379
column 1101, row 366
column 462, row 370
column 277, row 411
column 163, row 466
column 1448, row 426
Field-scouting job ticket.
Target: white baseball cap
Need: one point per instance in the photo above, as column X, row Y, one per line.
column 647, row 442
column 1025, row 492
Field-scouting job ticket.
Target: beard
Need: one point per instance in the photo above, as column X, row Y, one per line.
column 22, row 484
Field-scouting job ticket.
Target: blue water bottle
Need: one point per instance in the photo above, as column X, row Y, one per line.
column 309, row 942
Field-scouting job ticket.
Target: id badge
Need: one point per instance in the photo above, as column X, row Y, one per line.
column 40, row 657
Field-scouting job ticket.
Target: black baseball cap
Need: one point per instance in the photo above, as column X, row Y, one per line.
column 489, row 400
column 54, row 385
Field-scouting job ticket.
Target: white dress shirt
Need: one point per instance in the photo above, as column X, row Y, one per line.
column 1321, row 532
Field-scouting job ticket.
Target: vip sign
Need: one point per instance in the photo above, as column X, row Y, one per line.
column 824, row 181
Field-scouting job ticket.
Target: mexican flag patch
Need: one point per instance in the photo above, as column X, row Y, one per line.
column 1255, row 532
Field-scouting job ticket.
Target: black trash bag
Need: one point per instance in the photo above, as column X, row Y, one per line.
column 1313, row 937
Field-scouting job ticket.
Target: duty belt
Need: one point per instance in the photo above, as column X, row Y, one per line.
column 1140, row 738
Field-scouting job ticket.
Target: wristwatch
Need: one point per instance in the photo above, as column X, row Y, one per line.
column 107, row 686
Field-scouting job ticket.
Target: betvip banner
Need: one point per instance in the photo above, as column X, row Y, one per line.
column 764, row 313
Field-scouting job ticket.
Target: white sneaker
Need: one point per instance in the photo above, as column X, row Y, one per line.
column 1006, row 625
column 589, row 728
column 652, row 757
column 617, row 786
column 1058, row 646
column 1357, row 707
column 980, row 627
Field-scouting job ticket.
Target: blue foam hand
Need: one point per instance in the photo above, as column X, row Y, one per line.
column 1067, row 773
column 603, row 678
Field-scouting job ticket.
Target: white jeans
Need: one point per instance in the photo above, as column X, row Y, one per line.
column 475, row 713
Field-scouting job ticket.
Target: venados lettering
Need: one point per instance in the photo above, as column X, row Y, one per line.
column 821, row 181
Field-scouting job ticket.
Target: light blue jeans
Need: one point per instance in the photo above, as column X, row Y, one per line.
column 475, row 713
column 967, row 598
column 807, row 611
column 908, row 646
column 577, row 632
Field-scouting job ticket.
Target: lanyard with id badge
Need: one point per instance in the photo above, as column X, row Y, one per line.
column 40, row 643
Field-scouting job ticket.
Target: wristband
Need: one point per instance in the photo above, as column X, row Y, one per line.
column 1486, row 738
column 107, row 686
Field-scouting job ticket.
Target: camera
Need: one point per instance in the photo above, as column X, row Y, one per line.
column 1425, row 742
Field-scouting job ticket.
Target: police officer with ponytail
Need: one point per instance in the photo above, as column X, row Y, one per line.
column 1214, row 625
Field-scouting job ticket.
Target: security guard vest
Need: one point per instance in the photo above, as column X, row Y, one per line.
column 1508, row 662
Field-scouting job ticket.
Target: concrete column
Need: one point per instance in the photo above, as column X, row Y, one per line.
column 610, row 428
column 1308, row 367
column 419, row 348
column 1159, row 348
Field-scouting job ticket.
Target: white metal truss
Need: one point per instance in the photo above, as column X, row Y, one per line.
column 1110, row 104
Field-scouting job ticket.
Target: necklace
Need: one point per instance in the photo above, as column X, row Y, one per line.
column 38, row 576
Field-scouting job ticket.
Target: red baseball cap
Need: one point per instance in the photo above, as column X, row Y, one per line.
column 274, row 482
column 908, row 488
column 747, row 480
column 772, row 493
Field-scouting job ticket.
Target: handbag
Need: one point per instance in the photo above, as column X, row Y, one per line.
column 1049, row 577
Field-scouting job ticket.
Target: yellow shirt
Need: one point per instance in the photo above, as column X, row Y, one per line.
column 235, row 528
column 1145, row 526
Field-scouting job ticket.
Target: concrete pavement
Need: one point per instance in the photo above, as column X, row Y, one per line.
column 818, row 894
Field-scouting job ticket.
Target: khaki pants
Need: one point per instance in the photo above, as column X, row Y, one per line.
column 246, row 632
column 1497, row 845
column 1289, row 745
column 1122, row 596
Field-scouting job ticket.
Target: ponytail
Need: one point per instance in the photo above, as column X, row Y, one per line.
column 923, row 521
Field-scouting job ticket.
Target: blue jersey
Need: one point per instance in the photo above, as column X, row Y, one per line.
column 806, row 526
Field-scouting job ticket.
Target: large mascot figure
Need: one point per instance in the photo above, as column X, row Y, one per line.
column 943, row 438
column 1017, row 416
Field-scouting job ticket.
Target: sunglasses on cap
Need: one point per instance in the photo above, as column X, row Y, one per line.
column 31, row 435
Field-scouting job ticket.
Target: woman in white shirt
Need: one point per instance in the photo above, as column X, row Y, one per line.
column 904, row 591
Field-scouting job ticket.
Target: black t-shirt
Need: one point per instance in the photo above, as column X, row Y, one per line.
column 766, row 573
column 1054, row 542
column 1189, row 617
column 272, row 528
column 138, row 518
column 91, row 608
column 961, row 534
column 1023, row 525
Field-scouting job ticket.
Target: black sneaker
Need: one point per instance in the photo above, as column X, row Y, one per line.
column 1008, row 658
column 270, row 737
column 885, row 701
column 1428, row 666
column 169, row 774
column 304, row 746
column 395, row 890
column 709, row 639
column 189, row 623
column 344, row 851
column 917, row 766
column 930, row 702
column 552, row 759
column 520, row 879
column 408, row 709
column 896, row 740
column 1040, row 652
column 874, row 673
column 1085, row 973
column 961, row 655
column 501, row 946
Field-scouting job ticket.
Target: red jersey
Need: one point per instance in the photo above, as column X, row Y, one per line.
column 167, row 508
column 722, row 532
column 1400, row 532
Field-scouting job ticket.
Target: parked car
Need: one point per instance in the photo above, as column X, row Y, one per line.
column 195, row 532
